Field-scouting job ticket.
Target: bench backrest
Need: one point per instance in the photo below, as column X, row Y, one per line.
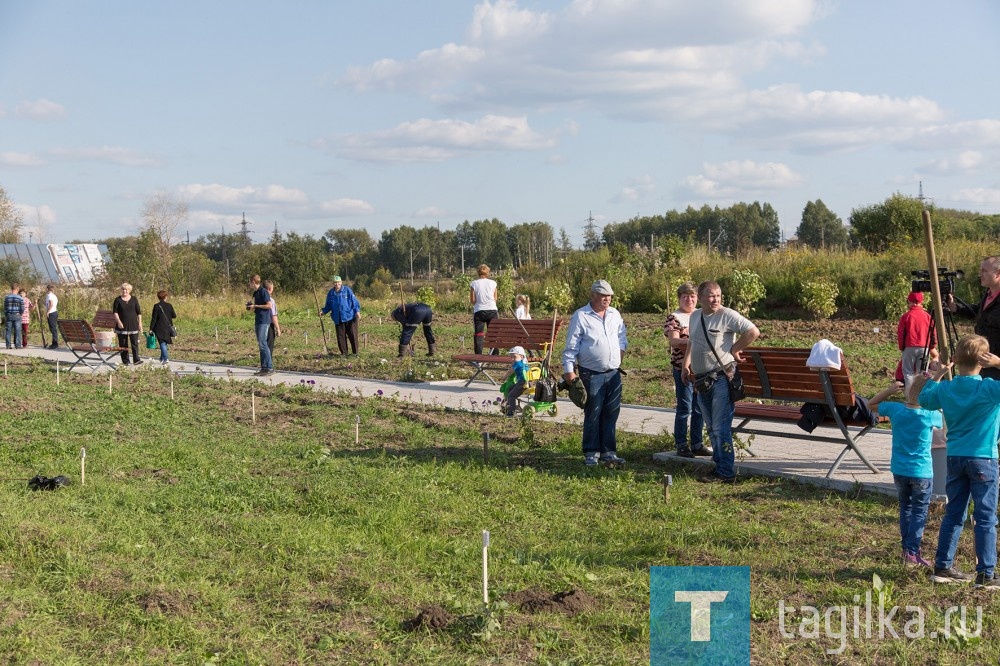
column 531, row 334
column 104, row 319
column 780, row 373
column 77, row 330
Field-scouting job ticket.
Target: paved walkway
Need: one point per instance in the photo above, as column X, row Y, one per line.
column 803, row 459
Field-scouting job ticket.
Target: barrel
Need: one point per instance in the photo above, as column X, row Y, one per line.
column 106, row 338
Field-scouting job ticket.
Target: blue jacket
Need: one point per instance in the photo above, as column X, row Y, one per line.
column 342, row 305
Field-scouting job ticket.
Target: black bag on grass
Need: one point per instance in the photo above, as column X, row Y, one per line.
column 40, row 482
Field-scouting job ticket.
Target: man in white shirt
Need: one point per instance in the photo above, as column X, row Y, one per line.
column 52, row 314
column 595, row 344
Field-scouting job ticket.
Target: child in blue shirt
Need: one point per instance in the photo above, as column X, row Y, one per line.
column 971, row 406
column 519, row 374
column 912, row 469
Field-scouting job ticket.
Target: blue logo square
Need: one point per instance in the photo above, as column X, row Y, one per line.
column 699, row 615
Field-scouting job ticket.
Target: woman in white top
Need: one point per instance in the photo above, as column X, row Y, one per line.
column 483, row 296
column 523, row 303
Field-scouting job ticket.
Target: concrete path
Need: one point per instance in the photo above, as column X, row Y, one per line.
column 801, row 459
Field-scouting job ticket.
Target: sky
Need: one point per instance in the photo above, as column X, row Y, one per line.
column 316, row 115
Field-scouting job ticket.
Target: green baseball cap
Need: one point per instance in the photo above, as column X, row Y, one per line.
column 336, row 278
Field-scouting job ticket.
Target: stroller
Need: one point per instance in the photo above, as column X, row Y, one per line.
column 540, row 383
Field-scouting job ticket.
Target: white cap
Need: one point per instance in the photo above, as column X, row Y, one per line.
column 517, row 350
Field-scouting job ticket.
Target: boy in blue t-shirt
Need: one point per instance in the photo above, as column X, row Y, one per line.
column 912, row 469
column 519, row 373
column 971, row 406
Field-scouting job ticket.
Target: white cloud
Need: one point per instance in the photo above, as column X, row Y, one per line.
column 966, row 161
column 346, row 207
column 40, row 109
column 109, row 154
column 430, row 211
column 36, row 217
column 739, row 178
column 978, row 195
column 428, row 140
column 635, row 189
column 12, row 159
column 222, row 195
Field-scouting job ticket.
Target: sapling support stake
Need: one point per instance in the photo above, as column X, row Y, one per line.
column 5, row 367
column 668, row 481
column 216, row 333
column 486, row 447
column 357, row 429
column 171, row 389
column 57, row 372
column 486, row 587
column 253, row 406
column 83, row 466
column 110, row 375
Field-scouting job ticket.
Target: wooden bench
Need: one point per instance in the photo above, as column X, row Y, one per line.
column 104, row 319
column 779, row 374
column 502, row 334
column 79, row 336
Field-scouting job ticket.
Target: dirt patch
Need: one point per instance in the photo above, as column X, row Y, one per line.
column 431, row 617
column 535, row 600
column 163, row 602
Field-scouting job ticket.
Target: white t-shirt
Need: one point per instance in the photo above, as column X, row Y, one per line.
column 51, row 303
column 521, row 313
column 484, row 289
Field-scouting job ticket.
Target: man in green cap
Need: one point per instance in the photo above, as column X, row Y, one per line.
column 345, row 310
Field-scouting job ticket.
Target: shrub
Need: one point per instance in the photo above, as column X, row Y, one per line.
column 819, row 297
column 426, row 295
column 505, row 291
column 744, row 288
column 894, row 303
column 557, row 296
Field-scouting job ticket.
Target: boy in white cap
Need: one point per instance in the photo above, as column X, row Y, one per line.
column 519, row 372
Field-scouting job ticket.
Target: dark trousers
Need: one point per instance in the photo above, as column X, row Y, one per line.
column 270, row 339
column 600, row 415
column 480, row 322
column 347, row 331
column 407, row 335
column 126, row 340
column 515, row 392
column 53, row 317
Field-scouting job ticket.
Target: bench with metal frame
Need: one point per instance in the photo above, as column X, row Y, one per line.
column 502, row 334
column 79, row 336
column 779, row 374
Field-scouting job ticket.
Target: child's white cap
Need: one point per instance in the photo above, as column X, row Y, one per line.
column 517, row 350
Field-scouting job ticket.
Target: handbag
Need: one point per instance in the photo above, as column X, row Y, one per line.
column 170, row 327
column 737, row 389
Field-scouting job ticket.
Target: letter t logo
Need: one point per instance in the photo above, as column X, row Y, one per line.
column 701, row 611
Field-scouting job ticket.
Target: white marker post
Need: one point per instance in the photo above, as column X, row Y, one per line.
column 668, row 481
column 110, row 375
column 5, row 367
column 216, row 333
column 357, row 429
column 253, row 407
column 171, row 389
column 83, row 466
column 486, row 587
column 307, row 338
column 57, row 373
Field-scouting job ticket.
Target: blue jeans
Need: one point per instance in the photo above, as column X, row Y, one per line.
column 265, row 351
column 600, row 415
column 914, row 499
column 163, row 352
column 975, row 478
column 13, row 325
column 687, row 407
column 717, row 410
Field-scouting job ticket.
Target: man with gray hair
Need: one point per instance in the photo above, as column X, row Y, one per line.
column 717, row 339
column 595, row 344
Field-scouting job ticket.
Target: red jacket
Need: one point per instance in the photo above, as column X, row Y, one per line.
column 914, row 327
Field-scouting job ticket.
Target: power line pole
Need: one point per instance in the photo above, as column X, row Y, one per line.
column 245, row 226
column 411, row 266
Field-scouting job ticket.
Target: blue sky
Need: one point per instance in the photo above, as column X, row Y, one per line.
column 320, row 115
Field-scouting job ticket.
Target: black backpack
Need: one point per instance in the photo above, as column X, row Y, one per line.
column 40, row 482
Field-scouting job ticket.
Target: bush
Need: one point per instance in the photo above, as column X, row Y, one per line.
column 894, row 303
column 744, row 288
column 557, row 296
column 819, row 297
column 426, row 295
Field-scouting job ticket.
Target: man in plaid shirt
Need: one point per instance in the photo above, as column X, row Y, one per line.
column 13, row 312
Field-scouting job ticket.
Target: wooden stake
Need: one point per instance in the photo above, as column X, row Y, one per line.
column 5, row 367
column 216, row 333
column 83, row 466
column 357, row 429
column 668, row 481
column 364, row 336
column 57, row 373
column 486, row 447
column 307, row 338
column 171, row 389
column 253, row 407
column 486, row 586
column 110, row 375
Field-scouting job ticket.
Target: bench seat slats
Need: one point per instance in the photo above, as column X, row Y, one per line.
column 502, row 334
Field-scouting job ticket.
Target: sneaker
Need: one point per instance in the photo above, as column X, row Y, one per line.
column 914, row 559
column 949, row 575
column 612, row 458
column 261, row 372
column 704, row 451
column 715, row 478
column 139, row 362
column 984, row 583
column 590, row 459
column 684, row 454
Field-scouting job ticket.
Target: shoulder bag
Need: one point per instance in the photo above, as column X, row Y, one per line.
column 170, row 323
column 737, row 390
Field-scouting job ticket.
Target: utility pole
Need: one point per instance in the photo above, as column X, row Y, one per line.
column 411, row 266
column 462, row 248
column 245, row 226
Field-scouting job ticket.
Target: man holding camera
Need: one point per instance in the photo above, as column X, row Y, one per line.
column 987, row 311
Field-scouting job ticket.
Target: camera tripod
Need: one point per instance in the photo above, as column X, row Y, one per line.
column 950, row 330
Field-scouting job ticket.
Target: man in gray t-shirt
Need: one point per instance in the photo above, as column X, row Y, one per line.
column 728, row 333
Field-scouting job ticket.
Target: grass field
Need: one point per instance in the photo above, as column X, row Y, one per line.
column 203, row 537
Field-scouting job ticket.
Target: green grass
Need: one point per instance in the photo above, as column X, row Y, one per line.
column 203, row 537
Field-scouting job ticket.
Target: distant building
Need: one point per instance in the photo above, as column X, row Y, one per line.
column 60, row 263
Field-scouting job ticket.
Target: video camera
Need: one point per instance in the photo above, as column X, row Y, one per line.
column 946, row 280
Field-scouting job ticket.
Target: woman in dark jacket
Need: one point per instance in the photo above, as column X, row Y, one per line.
column 162, row 323
column 128, row 317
